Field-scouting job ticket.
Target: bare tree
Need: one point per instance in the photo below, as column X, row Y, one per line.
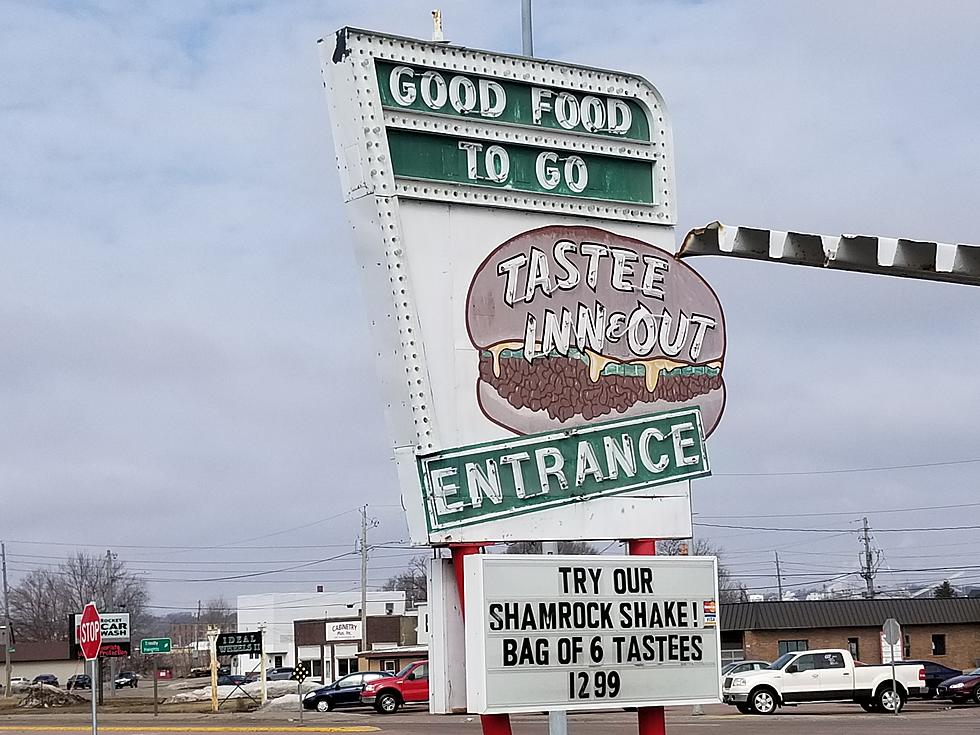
column 564, row 547
column 412, row 582
column 42, row 601
column 729, row 588
column 218, row 612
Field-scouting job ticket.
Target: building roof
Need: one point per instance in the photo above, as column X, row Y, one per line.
column 848, row 613
column 27, row 651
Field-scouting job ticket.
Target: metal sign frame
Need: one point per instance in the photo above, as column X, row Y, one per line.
column 383, row 207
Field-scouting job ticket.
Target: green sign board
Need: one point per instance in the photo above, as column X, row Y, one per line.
column 500, row 100
column 525, row 168
column 155, row 645
column 487, row 481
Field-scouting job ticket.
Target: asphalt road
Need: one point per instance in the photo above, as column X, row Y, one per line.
column 829, row 719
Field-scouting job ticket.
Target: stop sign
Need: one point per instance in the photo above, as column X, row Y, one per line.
column 90, row 632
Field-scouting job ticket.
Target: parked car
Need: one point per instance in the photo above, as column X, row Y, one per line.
column 823, row 676
column 738, row 667
column 127, row 679
column 408, row 686
column 961, row 688
column 18, row 683
column 936, row 674
column 252, row 676
column 344, row 692
column 200, row 671
column 281, row 673
column 50, row 679
column 231, row 680
column 79, row 681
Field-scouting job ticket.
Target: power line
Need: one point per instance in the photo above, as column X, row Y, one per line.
column 848, row 470
column 839, row 530
column 846, row 512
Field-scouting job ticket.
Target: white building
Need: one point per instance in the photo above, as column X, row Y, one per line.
column 277, row 611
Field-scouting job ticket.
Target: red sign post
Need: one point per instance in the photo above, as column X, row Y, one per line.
column 90, row 641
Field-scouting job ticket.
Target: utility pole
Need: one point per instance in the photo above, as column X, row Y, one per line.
column 197, row 633
column 110, row 607
column 9, row 638
column 869, row 564
column 779, row 577
column 364, row 561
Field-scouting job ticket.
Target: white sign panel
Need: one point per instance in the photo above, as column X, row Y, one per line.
column 344, row 630
column 590, row 632
column 513, row 219
column 115, row 627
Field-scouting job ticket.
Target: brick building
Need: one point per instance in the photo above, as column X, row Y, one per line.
column 946, row 631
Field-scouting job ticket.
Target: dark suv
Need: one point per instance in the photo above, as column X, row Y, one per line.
column 46, row 679
column 79, row 681
column 127, row 679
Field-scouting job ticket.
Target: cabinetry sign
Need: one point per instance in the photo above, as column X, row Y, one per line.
column 495, row 479
column 580, row 632
column 239, row 644
column 344, row 630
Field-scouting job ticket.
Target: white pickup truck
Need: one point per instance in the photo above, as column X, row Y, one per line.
column 822, row 676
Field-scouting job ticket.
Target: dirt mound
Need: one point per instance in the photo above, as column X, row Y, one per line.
column 45, row 695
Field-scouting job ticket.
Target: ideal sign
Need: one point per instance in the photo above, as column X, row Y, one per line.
column 513, row 219
column 239, row 644
column 590, row 632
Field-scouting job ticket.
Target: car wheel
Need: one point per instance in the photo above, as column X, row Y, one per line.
column 975, row 696
column 763, row 702
column 889, row 701
column 324, row 705
column 387, row 704
column 744, row 708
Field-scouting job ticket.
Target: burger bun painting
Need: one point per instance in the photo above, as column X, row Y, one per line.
column 575, row 325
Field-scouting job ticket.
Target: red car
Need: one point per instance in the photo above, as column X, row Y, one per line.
column 409, row 685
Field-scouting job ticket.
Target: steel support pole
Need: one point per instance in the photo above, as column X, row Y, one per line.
column 527, row 36
column 650, row 720
column 156, row 698
column 491, row 724
column 557, row 719
column 95, row 721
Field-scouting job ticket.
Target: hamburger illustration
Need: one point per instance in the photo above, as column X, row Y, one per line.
column 578, row 324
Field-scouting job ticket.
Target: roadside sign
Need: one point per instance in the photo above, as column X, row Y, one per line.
column 90, row 632
column 300, row 673
column 115, row 635
column 892, row 632
column 506, row 478
column 542, row 194
column 239, row 644
column 154, row 645
column 590, row 632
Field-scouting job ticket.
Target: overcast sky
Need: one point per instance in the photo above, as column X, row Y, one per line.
column 183, row 363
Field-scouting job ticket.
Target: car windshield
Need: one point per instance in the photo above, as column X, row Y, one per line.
column 975, row 672
column 404, row 671
column 782, row 661
column 728, row 667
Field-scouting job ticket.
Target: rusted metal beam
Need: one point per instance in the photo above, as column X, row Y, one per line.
column 887, row 256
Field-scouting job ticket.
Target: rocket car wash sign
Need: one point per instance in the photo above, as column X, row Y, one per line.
column 115, row 634
column 580, row 632
column 513, row 221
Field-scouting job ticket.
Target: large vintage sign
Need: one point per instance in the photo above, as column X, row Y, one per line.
column 513, row 220
column 586, row 632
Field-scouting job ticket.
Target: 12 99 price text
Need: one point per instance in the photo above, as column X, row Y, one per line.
column 593, row 684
